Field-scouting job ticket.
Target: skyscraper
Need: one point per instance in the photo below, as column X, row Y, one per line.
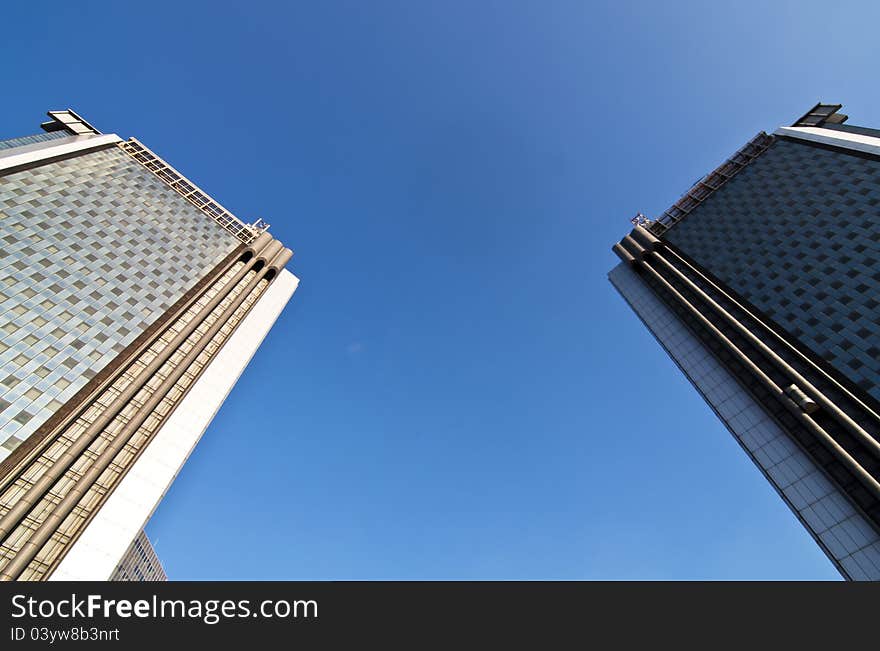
column 130, row 303
column 139, row 563
column 762, row 283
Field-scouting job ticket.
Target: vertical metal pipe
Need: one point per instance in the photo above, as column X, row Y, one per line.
column 271, row 272
column 39, row 538
column 833, row 446
column 131, row 356
column 769, row 330
column 866, row 439
column 37, row 491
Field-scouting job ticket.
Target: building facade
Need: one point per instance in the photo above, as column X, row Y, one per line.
column 130, row 303
column 139, row 563
column 762, row 283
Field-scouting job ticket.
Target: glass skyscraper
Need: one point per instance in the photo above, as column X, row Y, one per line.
column 130, row 302
column 139, row 563
column 762, row 283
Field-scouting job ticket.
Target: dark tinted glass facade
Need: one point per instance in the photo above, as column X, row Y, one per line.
column 797, row 234
column 762, row 284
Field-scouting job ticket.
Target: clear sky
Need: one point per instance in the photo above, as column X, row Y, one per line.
column 455, row 390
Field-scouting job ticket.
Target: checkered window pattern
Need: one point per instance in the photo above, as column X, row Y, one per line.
column 92, row 250
column 797, row 233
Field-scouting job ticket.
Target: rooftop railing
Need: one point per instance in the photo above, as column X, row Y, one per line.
column 192, row 193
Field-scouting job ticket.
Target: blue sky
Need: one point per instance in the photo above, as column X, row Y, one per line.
column 455, row 390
